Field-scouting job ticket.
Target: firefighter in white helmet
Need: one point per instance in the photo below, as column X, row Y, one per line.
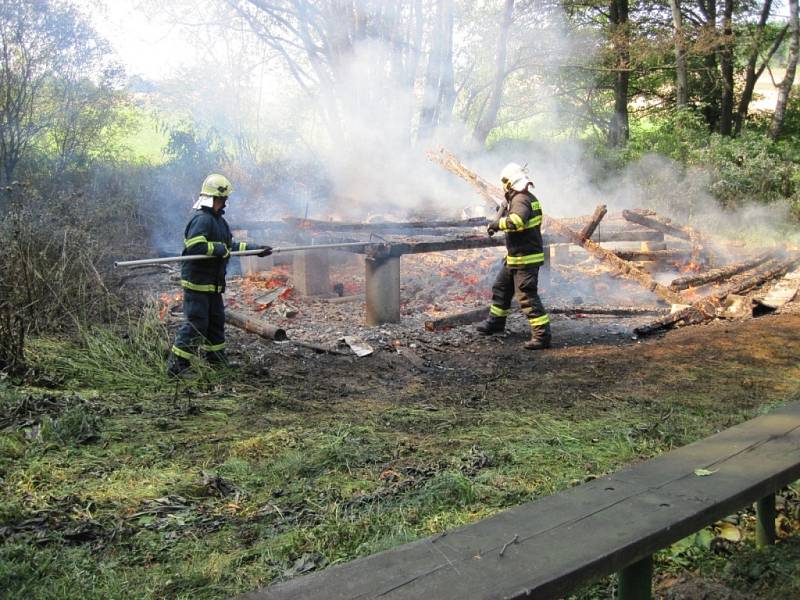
column 521, row 220
column 203, row 281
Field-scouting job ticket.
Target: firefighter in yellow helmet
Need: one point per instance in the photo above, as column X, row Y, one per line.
column 521, row 220
column 203, row 281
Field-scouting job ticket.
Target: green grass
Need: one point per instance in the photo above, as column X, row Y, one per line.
column 144, row 488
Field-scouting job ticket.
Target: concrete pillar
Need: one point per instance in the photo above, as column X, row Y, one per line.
column 311, row 273
column 559, row 254
column 652, row 246
column 544, row 271
column 382, row 289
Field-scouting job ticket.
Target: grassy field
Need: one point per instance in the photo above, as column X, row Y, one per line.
column 115, row 483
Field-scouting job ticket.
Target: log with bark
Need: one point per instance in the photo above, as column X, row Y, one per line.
column 475, row 315
column 257, row 326
column 649, row 218
column 720, row 274
column 599, row 213
column 622, row 267
column 706, row 308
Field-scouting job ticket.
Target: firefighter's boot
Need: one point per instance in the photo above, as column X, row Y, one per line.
column 540, row 338
column 492, row 325
column 178, row 367
column 220, row 360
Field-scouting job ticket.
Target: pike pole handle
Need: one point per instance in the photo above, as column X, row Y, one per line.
column 172, row 259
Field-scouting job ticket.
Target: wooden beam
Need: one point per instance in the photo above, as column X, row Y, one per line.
column 588, row 229
column 475, row 315
column 682, row 283
column 384, row 226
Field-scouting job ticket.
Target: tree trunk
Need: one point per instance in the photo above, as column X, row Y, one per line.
column 439, row 74
column 710, row 75
column 726, row 66
column 791, row 69
column 618, row 132
column 750, row 76
column 488, row 118
column 681, row 77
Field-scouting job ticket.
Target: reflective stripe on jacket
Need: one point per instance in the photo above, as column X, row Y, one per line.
column 522, row 222
column 208, row 234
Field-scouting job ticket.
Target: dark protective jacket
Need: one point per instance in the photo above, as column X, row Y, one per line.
column 521, row 219
column 208, row 234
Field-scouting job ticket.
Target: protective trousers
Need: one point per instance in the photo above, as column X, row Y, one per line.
column 204, row 326
column 526, row 281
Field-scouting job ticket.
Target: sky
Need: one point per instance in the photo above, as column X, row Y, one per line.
column 145, row 42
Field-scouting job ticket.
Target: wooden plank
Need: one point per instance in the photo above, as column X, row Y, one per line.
column 784, row 291
column 545, row 549
column 382, row 226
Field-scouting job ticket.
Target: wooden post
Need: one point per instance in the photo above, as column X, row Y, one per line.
column 765, row 521
column 382, row 289
column 636, row 580
column 312, row 273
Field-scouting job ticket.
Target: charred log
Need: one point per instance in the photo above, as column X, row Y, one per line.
column 588, row 230
column 649, row 218
column 257, row 326
column 652, row 255
column 473, row 316
column 715, row 275
column 706, row 308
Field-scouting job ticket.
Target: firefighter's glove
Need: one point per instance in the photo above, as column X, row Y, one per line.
column 493, row 228
column 265, row 250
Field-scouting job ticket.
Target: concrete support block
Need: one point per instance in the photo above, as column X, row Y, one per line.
column 560, row 254
column 382, row 289
column 652, row 246
column 311, row 273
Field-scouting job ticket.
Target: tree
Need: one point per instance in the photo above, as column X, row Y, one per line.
column 618, row 130
column 681, row 75
column 791, row 69
column 47, row 55
column 488, row 118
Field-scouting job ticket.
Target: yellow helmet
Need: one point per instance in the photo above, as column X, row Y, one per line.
column 216, row 185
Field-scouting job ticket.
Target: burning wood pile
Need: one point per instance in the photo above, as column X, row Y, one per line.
column 638, row 264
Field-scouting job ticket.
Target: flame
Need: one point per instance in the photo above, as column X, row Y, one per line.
column 167, row 302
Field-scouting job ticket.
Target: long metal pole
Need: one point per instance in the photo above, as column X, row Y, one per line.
column 170, row 259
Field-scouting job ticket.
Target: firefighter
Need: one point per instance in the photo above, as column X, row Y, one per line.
column 203, row 281
column 521, row 220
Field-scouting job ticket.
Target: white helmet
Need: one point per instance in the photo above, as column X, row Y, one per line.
column 514, row 177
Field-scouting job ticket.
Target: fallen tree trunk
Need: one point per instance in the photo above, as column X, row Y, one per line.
column 475, row 315
column 706, row 308
column 257, row 326
column 622, row 267
column 720, row 274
